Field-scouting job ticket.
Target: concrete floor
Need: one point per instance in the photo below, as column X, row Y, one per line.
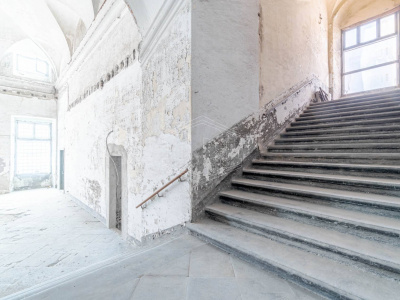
column 44, row 235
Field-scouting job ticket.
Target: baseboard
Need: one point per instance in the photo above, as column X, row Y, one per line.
column 87, row 208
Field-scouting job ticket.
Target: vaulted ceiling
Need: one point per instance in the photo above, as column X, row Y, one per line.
column 347, row 12
column 56, row 26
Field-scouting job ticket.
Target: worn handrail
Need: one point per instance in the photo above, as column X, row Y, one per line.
column 164, row 187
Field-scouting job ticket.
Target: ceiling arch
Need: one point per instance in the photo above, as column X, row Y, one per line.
column 56, row 26
column 144, row 12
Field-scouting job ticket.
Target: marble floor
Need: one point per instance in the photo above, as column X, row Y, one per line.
column 47, row 239
column 184, row 268
column 44, row 234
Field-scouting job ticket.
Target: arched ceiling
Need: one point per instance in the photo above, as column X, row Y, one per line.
column 145, row 12
column 52, row 24
column 348, row 12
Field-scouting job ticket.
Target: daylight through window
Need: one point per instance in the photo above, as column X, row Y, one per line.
column 371, row 55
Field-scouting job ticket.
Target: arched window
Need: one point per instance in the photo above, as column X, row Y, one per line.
column 26, row 60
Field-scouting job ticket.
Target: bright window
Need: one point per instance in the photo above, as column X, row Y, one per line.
column 32, row 148
column 371, row 56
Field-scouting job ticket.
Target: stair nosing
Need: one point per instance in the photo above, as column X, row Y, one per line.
column 344, row 124
column 358, row 116
column 342, row 145
column 220, row 238
column 339, row 114
column 321, row 164
column 304, row 238
column 356, row 197
column 332, row 177
column 310, row 212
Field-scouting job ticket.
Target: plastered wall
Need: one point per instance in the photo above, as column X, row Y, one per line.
column 294, row 45
column 147, row 106
column 11, row 105
column 225, row 70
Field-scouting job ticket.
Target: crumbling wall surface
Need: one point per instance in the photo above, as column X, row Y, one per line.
column 225, row 73
column 166, row 126
column 86, row 118
column 293, row 41
column 147, row 106
column 227, row 153
column 11, row 105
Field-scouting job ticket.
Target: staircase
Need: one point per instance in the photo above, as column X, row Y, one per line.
column 322, row 207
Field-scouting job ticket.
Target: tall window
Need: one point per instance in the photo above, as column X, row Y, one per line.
column 32, row 148
column 371, row 55
column 32, row 67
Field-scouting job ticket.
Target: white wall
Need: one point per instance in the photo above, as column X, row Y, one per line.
column 294, row 45
column 166, row 124
column 10, row 106
column 148, row 108
column 225, row 65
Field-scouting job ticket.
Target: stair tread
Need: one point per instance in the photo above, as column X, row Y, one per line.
column 351, row 117
column 319, row 164
column 358, row 197
column 343, row 279
column 351, row 245
column 371, row 136
column 387, row 182
column 343, row 145
column 341, row 130
column 356, row 100
column 343, row 124
column 325, row 154
column 368, row 95
column 371, row 111
column 312, row 111
column 323, row 211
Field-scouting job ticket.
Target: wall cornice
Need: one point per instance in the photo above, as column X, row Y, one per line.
column 108, row 17
column 26, row 88
column 160, row 24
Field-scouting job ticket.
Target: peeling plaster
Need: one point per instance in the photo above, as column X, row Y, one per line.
column 212, row 163
column 147, row 106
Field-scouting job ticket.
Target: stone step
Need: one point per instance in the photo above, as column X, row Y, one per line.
column 329, row 167
column 373, row 94
column 325, row 194
column 296, row 127
column 370, row 252
column 353, row 183
column 351, row 113
column 344, row 147
column 385, row 129
column 373, row 138
column 389, row 114
column 394, row 158
column 356, row 100
column 331, row 278
column 348, row 107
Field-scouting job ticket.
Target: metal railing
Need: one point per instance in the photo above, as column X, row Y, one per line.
column 163, row 188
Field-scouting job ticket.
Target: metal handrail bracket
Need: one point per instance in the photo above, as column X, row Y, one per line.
column 163, row 188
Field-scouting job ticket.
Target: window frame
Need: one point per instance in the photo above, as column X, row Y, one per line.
column 49, row 140
column 378, row 39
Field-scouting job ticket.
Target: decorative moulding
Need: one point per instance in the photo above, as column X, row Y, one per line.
column 160, row 24
column 108, row 17
column 26, row 88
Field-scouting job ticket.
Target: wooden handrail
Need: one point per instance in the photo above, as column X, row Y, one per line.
column 164, row 187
